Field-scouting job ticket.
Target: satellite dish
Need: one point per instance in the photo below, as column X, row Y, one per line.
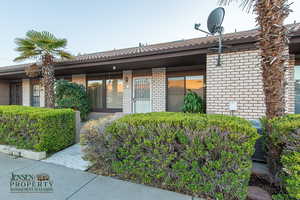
column 214, row 25
column 215, row 20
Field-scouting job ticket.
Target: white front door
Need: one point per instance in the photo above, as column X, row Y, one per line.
column 142, row 94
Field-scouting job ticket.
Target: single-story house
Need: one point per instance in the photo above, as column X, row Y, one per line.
column 153, row 78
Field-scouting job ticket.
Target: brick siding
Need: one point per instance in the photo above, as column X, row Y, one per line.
column 237, row 79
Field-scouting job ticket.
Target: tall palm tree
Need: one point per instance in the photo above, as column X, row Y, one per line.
column 43, row 47
column 273, row 42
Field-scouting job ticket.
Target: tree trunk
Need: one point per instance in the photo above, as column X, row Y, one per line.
column 273, row 43
column 48, row 80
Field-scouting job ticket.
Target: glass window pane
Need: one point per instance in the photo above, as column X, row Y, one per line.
column 35, row 95
column 114, row 93
column 297, row 89
column 196, row 84
column 175, row 93
column 96, row 92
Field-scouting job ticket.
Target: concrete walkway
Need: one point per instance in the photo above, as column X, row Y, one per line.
column 72, row 184
column 70, row 157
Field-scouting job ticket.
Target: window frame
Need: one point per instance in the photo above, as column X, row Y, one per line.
column 104, row 78
column 184, row 75
column 32, row 84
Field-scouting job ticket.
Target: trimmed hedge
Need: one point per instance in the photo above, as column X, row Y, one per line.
column 39, row 129
column 72, row 95
column 285, row 136
column 197, row 154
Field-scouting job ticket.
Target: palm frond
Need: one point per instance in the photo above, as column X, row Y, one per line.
column 64, row 54
column 244, row 4
column 27, row 55
column 37, row 44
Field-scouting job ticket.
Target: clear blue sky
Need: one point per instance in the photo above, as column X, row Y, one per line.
column 99, row 25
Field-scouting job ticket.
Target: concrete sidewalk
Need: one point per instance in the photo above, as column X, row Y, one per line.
column 72, row 184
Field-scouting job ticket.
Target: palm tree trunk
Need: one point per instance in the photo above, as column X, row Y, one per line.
column 273, row 44
column 48, row 80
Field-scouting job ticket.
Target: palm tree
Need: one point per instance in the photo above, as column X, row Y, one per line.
column 43, row 47
column 273, row 43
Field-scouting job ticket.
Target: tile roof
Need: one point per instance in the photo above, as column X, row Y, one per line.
column 202, row 42
column 161, row 47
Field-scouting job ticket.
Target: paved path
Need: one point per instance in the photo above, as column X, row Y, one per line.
column 70, row 157
column 72, row 184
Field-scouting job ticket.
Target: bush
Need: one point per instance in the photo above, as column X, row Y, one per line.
column 72, row 95
column 38, row 129
column 285, row 137
column 201, row 155
column 193, row 103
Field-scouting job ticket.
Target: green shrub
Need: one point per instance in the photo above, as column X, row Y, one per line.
column 72, row 95
column 197, row 154
column 193, row 103
column 285, row 136
column 38, row 129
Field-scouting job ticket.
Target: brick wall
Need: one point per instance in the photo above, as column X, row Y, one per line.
column 127, row 92
column 4, row 97
column 159, row 88
column 238, row 79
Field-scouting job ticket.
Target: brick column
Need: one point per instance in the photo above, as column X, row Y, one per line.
column 79, row 79
column 290, row 85
column 127, row 93
column 42, row 96
column 159, row 87
column 26, row 92
column 4, row 97
column 238, row 79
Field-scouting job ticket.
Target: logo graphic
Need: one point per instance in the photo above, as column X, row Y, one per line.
column 30, row 183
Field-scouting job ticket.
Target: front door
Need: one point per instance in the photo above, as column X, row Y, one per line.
column 16, row 93
column 142, row 94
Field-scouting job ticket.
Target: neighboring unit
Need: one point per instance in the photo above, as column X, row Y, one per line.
column 155, row 78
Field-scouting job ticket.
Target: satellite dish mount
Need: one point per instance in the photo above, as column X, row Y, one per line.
column 214, row 26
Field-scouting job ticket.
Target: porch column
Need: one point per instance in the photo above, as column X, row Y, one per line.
column 42, row 96
column 158, row 89
column 26, row 92
column 79, row 79
column 4, row 97
column 127, row 93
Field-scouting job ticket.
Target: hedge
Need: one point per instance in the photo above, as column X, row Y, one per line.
column 38, row 129
column 201, row 155
column 72, row 95
column 285, row 136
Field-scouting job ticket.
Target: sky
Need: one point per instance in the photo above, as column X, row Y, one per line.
column 100, row 25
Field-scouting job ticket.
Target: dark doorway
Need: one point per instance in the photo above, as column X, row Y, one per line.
column 16, row 93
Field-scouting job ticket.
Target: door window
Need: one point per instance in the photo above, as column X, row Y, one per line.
column 142, row 95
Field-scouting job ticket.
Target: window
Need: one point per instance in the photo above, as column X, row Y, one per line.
column 114, row 93
column 175, row 93
column 96, row 92
column 105, row 94
column 35, row 95
column 179, row 86
column 297, row 89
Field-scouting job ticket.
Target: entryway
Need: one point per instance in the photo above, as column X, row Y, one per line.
column 15, row 93
column 142, row 94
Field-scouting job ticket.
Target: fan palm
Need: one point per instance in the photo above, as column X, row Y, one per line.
column 273, row 44
column 43, row 47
